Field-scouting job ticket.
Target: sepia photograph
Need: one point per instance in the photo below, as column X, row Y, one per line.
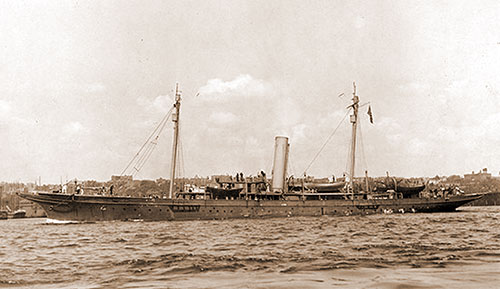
column 249, row 144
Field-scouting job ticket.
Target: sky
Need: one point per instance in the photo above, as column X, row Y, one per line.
column 84, row 83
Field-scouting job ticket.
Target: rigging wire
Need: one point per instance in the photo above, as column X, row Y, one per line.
column 326, row 142
column 146, row 155
column 270, row 166
column 146, row 149
column 362, row 147
column 290, row 166
column 348, row 162
column 138, row 164
column 181, row 158
column 150, row 150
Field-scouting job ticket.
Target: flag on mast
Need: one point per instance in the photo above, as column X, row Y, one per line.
column 370, row 113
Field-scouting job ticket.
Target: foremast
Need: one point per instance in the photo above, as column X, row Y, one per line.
column 354, row 122
column 175, row 120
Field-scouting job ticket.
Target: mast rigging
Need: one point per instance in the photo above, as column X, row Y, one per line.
column 354, row 121
column 175, row 120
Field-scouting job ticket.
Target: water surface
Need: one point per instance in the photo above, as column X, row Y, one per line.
column 459, row 250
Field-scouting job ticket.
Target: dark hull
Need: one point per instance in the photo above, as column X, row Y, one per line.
column 84, row 208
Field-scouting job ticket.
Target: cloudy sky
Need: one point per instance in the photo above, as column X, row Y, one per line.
column 84, row 83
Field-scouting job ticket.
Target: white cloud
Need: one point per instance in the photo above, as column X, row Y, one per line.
column 289, row 111
column 418, row 147
column 161, row 103
column 251, row 142
column 299, row 132
column 5, row 111
column 96, row 88
column 13, row 117
column 359, row 22
column 222, row 117
column 4, row 107
column 242, row 85
column 415, row 87
column 388, row 125
column 449, row 101
column 483, row 136
column 74, row 128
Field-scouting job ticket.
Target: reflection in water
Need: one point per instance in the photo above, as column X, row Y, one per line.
column 381, row 251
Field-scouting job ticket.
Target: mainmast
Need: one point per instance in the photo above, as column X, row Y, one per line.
column 354, row 121
column 175, row 120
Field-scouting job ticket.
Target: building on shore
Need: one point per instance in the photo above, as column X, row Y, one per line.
column 481, row 175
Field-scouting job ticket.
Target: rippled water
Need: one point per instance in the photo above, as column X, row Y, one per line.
column 448, row 250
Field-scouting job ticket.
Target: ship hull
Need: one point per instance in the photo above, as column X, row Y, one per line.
column 82, row 208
